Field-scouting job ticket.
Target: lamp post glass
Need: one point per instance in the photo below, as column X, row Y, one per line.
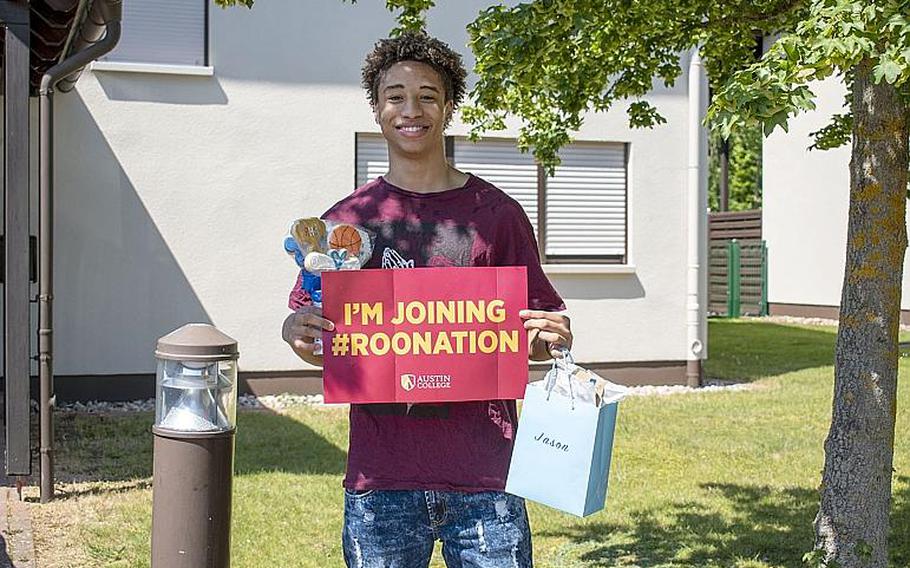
column 196, row 396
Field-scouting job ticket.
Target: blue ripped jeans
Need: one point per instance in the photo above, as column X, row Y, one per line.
column 397, row 529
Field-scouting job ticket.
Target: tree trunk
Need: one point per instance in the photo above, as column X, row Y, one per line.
column 852, row 522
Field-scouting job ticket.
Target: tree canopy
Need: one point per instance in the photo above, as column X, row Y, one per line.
column 831, row 38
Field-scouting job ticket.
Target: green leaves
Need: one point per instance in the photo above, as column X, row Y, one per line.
column 887, row 69
column 548, row 62
column 837, row 133
column 412, row 13
column 833, row 38
column 642, row 114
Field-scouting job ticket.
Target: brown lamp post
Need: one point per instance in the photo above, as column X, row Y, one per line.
column 195, row 421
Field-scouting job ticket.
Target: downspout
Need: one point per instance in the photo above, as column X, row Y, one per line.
column 696, row 215
column 49, row 81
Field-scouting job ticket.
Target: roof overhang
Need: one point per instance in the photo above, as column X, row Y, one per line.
column 58, row 28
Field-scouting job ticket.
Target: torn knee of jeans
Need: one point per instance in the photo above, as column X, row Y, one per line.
column 502, row 510
column 368, row 516
column 481, row 541
column 358, row 553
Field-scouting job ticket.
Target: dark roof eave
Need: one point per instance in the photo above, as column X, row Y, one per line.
column 58, row 29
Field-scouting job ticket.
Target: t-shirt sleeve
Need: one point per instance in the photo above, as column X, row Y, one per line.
column 515, row 245
column 299, row 297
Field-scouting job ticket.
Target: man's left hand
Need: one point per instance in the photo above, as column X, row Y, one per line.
column 549, row 334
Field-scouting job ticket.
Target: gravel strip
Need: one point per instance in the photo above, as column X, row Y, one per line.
column 710, row 387
column 286, row 400
column 807, row 321
column 798, row 320
column 244, row 401
column 103, row 407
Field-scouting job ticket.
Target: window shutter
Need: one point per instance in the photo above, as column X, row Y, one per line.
column 372, row 157
column 586, row 202
column 500, row 163
column 162, row 31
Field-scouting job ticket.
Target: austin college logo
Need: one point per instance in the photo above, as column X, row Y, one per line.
column 408, row 381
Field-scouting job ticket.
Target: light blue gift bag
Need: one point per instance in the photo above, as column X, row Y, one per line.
column 565, row 440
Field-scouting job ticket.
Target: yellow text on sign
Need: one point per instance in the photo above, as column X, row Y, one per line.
column 430, row 343
column 429, row 312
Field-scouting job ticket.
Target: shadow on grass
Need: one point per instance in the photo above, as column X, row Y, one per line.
column 744, row 350
column 117, row 448
column 267, row 441
column 771, row 525
column 101, row 487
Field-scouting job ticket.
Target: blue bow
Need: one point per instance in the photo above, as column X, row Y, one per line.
column 338, row 256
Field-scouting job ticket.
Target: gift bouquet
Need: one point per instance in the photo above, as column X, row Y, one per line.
column 318, row 245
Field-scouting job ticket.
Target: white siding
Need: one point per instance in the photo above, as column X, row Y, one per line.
column 180, row 189
column 805, row 204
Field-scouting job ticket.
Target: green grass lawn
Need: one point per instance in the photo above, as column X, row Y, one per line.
column 725, row 479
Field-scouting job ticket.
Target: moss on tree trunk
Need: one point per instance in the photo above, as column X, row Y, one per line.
column 852, row 522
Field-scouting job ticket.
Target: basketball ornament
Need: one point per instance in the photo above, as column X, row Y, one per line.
column 346, row 237
column 319, row 245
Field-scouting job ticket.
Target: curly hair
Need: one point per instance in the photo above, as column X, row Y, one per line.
column 415, row 46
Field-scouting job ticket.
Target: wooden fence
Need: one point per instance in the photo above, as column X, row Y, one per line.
column 737, row 264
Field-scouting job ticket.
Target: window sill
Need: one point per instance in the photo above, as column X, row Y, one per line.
column 157, row 68
column 589, row 268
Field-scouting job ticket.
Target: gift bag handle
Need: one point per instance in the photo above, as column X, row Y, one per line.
column 566, row 354
column 561, row 361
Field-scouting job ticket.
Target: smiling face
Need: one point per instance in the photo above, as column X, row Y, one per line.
column 411, row 109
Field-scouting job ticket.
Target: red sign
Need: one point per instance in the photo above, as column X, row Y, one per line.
column 425, row 334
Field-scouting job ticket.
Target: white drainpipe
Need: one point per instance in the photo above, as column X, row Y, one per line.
column 697, row 221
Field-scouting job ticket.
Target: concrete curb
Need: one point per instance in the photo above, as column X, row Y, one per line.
column 17, row 546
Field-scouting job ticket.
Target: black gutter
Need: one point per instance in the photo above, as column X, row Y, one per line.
column 97, row 35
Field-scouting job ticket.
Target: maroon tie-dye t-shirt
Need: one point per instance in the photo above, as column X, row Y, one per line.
column 463, row 446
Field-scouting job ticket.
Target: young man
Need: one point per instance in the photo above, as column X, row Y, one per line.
column 426, row 472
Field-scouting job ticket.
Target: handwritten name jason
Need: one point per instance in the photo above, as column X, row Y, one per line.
column 551, row 442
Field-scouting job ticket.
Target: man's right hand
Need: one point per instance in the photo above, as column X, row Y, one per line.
column 301, row 329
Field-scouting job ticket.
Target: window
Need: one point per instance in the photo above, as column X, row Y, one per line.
column 372, row 158
column 584, row 215
column 579, row 214
column 500, row 163
column 170, row 32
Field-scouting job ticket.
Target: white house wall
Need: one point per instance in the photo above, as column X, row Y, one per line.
column 174, row 192
column 805, row 196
